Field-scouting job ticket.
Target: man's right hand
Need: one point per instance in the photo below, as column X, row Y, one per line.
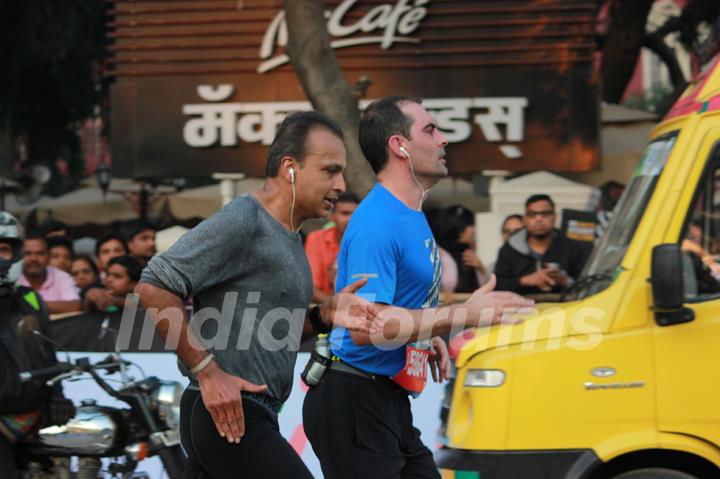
column 545, row 279
column 221, row 394
column 487, row 307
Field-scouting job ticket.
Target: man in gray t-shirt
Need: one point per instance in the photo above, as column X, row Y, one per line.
column 247, row 274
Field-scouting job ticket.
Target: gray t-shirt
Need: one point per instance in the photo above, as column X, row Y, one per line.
column 251, row 285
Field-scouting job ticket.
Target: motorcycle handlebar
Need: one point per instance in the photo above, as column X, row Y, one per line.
column 48, row 372
column 82, row 364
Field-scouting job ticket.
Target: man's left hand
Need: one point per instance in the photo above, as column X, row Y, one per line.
column 439, row 360
column 560, row 277
column 347, row 310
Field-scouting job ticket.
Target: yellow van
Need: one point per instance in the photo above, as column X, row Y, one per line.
column 621, row 379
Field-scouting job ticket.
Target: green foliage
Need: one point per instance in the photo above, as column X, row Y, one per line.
column 50, row 57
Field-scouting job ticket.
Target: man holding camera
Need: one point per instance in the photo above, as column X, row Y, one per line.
column 540, row 258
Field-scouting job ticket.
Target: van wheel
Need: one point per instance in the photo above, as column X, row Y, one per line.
column 655, row 473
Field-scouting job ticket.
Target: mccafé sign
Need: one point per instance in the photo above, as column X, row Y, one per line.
column 201, row 87
column 384, row 25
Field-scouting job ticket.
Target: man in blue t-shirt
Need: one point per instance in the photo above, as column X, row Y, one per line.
column 358, row 418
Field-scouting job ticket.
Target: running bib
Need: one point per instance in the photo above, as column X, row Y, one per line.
column 413, row 376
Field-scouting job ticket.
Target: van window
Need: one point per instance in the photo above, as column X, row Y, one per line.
column 700, row 240
column 611, row 247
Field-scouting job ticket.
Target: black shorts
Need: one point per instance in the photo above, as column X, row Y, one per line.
column 262, row 452
column 362, row 428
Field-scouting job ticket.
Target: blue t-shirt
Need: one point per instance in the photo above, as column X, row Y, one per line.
column 393, row 246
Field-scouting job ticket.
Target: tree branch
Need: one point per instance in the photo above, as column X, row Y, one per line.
column 672, row 24
column 657, row 45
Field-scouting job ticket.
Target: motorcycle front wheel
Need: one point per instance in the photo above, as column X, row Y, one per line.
column 173, row 460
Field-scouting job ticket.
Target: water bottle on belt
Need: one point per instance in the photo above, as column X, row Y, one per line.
column 320, row 360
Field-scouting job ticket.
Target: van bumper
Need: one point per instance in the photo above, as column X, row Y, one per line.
column 547, row 464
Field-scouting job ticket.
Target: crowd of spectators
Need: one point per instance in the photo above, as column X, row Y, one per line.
column 535, row 257
column 74, row 283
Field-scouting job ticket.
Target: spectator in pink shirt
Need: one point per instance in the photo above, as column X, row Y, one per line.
column 55, row 286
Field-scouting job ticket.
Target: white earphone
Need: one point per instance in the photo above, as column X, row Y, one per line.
column 292, row 175
column 404, row 152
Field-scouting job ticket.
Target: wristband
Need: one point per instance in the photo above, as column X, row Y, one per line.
column 316, row 321
column 202, row 364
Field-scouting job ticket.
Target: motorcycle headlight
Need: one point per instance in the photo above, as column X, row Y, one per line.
column 168, row 398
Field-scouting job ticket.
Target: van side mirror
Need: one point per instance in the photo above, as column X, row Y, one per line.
column 668, row 286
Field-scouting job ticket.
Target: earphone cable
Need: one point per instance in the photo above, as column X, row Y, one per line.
column 423, row 190
column 292, row 209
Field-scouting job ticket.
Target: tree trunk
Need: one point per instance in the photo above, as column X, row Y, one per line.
column 624, row 39
column 317, row 68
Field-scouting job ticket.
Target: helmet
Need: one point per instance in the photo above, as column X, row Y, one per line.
column 11, row 232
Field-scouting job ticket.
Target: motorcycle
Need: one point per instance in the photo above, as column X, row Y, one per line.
column 150, row 427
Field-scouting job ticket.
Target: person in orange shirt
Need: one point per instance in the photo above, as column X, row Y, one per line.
column 322, row 247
